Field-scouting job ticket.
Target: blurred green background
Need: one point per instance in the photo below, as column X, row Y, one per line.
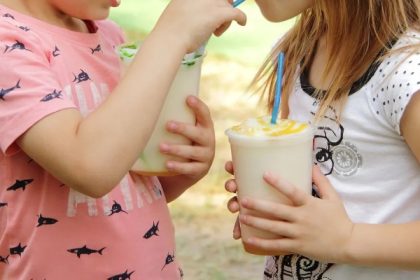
column 203, row 224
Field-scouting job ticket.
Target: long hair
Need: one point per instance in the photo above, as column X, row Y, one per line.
column 357, row 32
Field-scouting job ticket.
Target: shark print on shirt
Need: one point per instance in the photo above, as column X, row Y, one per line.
column 4, row 92
column 20, row 184
column 85, row 251
column 152, row 231
column 123, row 276
column 42, row 221
column 16, row 46
column 52, row 95
column 17, row 250
column 97, row 49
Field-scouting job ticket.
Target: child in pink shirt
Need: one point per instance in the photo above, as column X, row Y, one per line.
column 70, row 131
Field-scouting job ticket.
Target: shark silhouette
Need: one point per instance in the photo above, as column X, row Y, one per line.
column 56, row 52
column 152, row 231
column 42, row 221
column 16, row 46
column 81, row 77
column 18, row 250
column 85, row 251
column 4, row 259
column 97, row 49
column 53, row 95
column 20, row 184
column 122, row 276
column 116, row 208
column 3, row 91
column 169, row 259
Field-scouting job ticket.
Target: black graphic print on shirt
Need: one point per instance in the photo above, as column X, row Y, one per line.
column 81, row 77
column 169, row 259
column 53, row 95
column 7, row 15
column 85, row 251
column 116, row 208
column 152, row 231
column 56, row 52
column 43, row 221
column 97, row 49
column 17, row 250
column 331, row 152
column 123, row 276
column 20, row 184
column 4, row 92
column 16, row 46
column 4, row 259
column 295, row 267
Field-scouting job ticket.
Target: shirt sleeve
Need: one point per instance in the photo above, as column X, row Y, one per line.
column 29, row 89
column 400, row 76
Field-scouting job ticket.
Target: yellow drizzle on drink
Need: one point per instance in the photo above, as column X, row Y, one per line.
column 261, row 126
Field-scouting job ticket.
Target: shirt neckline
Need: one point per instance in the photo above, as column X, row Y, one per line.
column 357, row 85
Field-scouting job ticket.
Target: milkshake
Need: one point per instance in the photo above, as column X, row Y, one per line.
column 258, row 146
column 151, row 161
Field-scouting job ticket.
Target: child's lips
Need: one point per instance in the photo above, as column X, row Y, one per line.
column 115, row 3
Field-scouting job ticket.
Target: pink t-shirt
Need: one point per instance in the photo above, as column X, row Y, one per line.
column 47, row 230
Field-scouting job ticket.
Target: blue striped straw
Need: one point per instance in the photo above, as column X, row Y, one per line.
column 236, row 3
column 277, row 97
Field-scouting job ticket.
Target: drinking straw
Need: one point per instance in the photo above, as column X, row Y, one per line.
column 236, row 3
column 277, row 97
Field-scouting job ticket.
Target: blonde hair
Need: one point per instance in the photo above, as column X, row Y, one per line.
column 358, row 31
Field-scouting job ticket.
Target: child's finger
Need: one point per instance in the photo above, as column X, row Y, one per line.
column 236, row 230
column 274, row 210
column 296, row 195
column 231, row 186
column 201, row 111
column 233, row 205
column 325, row 189
column 186, row 168
column 194, row 153
column 229, row 167
column 191, row 132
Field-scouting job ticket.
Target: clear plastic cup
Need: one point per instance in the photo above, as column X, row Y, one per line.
column 151, row 161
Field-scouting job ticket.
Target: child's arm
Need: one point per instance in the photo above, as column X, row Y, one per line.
column 200, row 153
column 93, row 154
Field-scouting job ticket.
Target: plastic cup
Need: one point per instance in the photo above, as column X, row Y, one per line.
column 257, row 146
column 151, row 161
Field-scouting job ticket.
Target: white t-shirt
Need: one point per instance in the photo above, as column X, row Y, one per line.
column 365, row 158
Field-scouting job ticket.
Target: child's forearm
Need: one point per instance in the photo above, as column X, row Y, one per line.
column 387, row 245
column 174, row 186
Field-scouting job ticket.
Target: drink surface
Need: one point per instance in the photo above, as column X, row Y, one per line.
column 261, row 127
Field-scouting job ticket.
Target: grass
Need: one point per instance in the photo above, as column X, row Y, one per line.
column 203, row 225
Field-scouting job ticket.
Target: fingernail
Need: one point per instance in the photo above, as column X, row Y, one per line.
column 164, row 147
column 172, row 126
column 169, row 165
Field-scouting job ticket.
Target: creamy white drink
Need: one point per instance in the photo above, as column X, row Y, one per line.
column 187, row 82
column 258, row 146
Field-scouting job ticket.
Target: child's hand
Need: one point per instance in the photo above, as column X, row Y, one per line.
column 193, row 21
column 233, row 204
column 200, row 153
column 313, row 227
